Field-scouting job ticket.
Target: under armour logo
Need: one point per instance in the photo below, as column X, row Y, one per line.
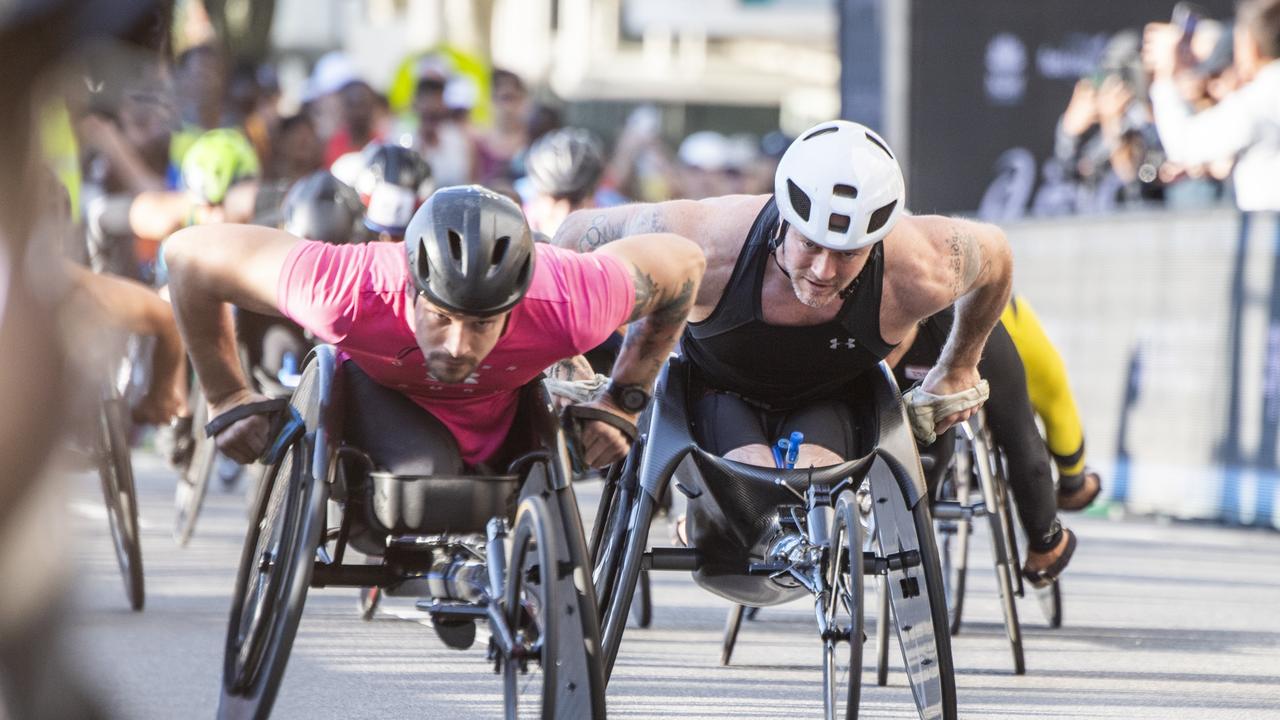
column 849, row 343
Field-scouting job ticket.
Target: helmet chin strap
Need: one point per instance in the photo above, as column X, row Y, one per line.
column 775, row 244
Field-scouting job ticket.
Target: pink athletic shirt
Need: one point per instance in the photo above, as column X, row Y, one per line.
column 357, row 298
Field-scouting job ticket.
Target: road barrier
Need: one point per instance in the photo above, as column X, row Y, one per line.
column 1169, row 324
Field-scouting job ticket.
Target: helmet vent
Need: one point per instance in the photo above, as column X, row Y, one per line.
column 838, row 223
column 880, row 217
column 799, row 201
column 499, row 251
column 845, row 191
column 821, row 131
column 880, row 145
column 455, row 247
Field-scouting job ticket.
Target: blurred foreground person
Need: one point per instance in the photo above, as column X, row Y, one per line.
column 36, row 35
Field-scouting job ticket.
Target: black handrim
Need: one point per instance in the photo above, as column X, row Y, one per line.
column 529, row 675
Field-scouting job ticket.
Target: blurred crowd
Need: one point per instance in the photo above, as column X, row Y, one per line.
column 139, row 178
column 1171, row 111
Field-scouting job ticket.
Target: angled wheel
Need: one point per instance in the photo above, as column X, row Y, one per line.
column 842, row 613
column 115, row 469
column 953, row 541
column 529, row 607
column 917, row 595
column 1003, row 552
column 193, row 482
column 609, row 532
column 275, row 571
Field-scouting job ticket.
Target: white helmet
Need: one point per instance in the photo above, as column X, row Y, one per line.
column 840, row 186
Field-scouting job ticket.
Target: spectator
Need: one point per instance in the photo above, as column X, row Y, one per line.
column 704, row 156
column 321, row 98
column 360, row 125
column 1245, row 124
column 509, row 135
column 1105, row 139
column 299, row 151
column 444, row 144
column 201, row 81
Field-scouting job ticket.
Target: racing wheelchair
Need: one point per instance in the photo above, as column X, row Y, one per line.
column 974, row 485
column 763, row 536
column 507, row 548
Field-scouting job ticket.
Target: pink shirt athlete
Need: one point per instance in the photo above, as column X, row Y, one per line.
column 357, row 297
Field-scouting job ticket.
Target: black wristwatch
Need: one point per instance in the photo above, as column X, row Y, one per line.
column 631, row 398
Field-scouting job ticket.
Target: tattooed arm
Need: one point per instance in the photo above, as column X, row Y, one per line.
column 981, row 272
column 666, row 270
column 938, row 261
column 593, row 228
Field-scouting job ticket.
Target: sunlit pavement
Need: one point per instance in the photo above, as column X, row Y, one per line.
column 1162, row 620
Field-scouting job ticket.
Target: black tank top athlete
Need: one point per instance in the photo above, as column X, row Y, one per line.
column 778, row 366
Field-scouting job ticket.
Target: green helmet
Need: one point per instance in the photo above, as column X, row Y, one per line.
column 217, row 160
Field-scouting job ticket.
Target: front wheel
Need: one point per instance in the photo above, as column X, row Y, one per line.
column 842, row 612
column 530, row 611
column 115, row 469
column 917, row 596
column 271, row 587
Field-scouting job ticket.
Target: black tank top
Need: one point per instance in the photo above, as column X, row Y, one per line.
column 778, row 366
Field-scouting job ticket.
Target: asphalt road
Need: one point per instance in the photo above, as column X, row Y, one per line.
column 1162, row 620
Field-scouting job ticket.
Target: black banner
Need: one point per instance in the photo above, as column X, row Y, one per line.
column 989, row 80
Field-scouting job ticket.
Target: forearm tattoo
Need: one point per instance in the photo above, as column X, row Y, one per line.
column 656, row 323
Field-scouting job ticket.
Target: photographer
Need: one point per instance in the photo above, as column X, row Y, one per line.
column 1245, row 124
column 1105, row 139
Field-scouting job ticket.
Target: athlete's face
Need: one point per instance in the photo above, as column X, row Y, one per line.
column 818, row 274
column 454, row 344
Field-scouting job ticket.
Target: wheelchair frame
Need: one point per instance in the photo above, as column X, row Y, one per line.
column 904, row 524
column 301, row 551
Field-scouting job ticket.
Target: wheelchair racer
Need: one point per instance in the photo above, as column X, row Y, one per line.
column 393, row 183
column 1012, row 424
column 440, row 331
column 1050, row 393
column 809, row 288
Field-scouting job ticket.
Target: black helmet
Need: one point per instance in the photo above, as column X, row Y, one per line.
column 322, row 207
column 393, row 184
column 566, row 163
column 470, row 251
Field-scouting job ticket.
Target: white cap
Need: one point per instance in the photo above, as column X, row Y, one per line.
column 332, row 72
column 460, row 93
column 706, row 150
